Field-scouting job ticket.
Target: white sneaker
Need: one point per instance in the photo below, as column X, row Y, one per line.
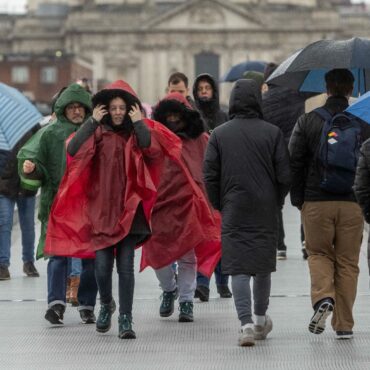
column 246, row 338
column 260, row 332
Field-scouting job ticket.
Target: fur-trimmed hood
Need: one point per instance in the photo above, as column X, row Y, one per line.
column 175, row 102
column 117, row 89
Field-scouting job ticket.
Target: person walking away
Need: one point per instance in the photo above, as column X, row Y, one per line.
column 247, row 176
column 282, row 107
column 332, row 219
column 11, row 194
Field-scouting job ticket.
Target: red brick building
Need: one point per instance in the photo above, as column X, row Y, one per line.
column 39, row 77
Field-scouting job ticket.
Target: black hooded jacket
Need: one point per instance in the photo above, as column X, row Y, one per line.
column 247, row 177
column 303, row 147
column 282, row 107
column 210, row 110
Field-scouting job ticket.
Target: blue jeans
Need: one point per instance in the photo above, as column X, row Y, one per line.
column 74, row 266
column 57, row 283
column 26, row 212
column 221, row 279
column 125, row 254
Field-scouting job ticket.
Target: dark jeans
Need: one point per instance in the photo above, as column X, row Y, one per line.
column 57, row 282
column 125, row 253
column 281, row 233
column 88, row 289
column 221, row 279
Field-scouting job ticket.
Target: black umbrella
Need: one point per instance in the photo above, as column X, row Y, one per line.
column 306, row 68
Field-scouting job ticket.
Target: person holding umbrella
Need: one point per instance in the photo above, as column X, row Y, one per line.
column 332, row 219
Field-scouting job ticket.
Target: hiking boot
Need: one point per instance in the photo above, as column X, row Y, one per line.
column 186, row 312
column 54, row 314
column 260, row 332
column 125, row 327
column 30, row 270
column 344, row 334
column 4, row 273
column 246, row 337
column 168, row 303
column 224, row 291
column 322, row 311
column 87, row 316
column 281, row 255
column 73, row 290
column 104, row 321
column 202, row 292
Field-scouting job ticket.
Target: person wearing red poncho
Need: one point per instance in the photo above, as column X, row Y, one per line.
column 184, row 227
column 106, row 195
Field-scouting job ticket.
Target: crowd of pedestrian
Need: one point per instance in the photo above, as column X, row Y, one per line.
column 200, row 190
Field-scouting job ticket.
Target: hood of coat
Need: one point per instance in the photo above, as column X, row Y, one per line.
column 74, row 93
column 245, row 100
column 207, row 105
column 176, row 103
column 117, row 89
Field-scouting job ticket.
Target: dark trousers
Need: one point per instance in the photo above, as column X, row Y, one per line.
column 125, row 253
column 88, row 289
column 281, row 233
column 221, row 279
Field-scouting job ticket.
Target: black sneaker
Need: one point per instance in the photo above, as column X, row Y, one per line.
column 4, row 273
column 224, row 291
column 168, row 303
column 202, row 292
column 281, row 255
column 322, row 311
column 87, row 316
column 344, row 334
column 186, row 312
column 55, row 313
column 304, row 251
column 125, row 327
column 104, row 321
column 30, row 270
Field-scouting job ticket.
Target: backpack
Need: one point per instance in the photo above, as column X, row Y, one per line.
column 339, row 151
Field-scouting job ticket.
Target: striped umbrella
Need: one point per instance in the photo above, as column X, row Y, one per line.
column 17, row 116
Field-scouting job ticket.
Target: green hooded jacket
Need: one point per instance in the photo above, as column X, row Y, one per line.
column 47, row 150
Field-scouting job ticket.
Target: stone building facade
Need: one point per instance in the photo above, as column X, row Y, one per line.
column 143, row 41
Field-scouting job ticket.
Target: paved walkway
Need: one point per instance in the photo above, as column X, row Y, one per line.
column 27, row 341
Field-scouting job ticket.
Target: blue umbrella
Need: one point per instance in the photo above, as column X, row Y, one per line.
column 306, row 68
column 17, row 116
column 361, row 108
column 236, row 72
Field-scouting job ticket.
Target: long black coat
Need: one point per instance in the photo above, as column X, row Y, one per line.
column 247, row 176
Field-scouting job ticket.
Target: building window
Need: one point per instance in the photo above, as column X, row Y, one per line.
column 207, row 63
column 49, row 75
column 20, row 75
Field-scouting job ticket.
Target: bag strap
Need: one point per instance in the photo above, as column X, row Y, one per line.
column 323, row 113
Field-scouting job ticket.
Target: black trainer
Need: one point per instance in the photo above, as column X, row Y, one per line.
column 168, row 303
column 224, row 291
column 323, row 309
column 202, row 292
column 341, row 334
column 55, row 314
column 125, row 327
column 104, row 321
column 30, row 270
column 186, row 312
column 4, row 272
column 87, row 316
